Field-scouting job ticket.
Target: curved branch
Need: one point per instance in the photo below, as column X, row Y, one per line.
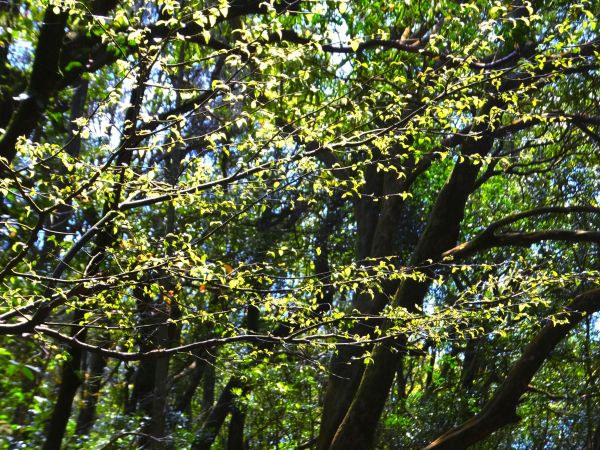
column 486, row 242
column 541, row 211
column 501, row 409
column 489, row 239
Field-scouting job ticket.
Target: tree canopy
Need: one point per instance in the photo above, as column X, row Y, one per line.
column 243, row 224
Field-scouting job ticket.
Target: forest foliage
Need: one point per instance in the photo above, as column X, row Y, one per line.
column 299, row 224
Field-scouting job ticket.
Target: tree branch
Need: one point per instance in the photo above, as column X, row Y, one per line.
column 501, row 409
column 489, row 239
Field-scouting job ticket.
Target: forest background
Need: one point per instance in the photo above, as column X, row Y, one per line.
column 299, row 224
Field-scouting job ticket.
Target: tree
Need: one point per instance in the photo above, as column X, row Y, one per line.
column 333, row 225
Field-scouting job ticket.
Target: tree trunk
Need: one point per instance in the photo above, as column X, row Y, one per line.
column 440, row 234
column 358, row 427
column 218, row 413
column 377, row 229
column 149, row 390
column 90, row 394
column 235, row 437
column 69, row 383
column 184, row 403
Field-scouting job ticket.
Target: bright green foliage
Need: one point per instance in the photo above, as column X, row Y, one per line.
column 221, row 196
